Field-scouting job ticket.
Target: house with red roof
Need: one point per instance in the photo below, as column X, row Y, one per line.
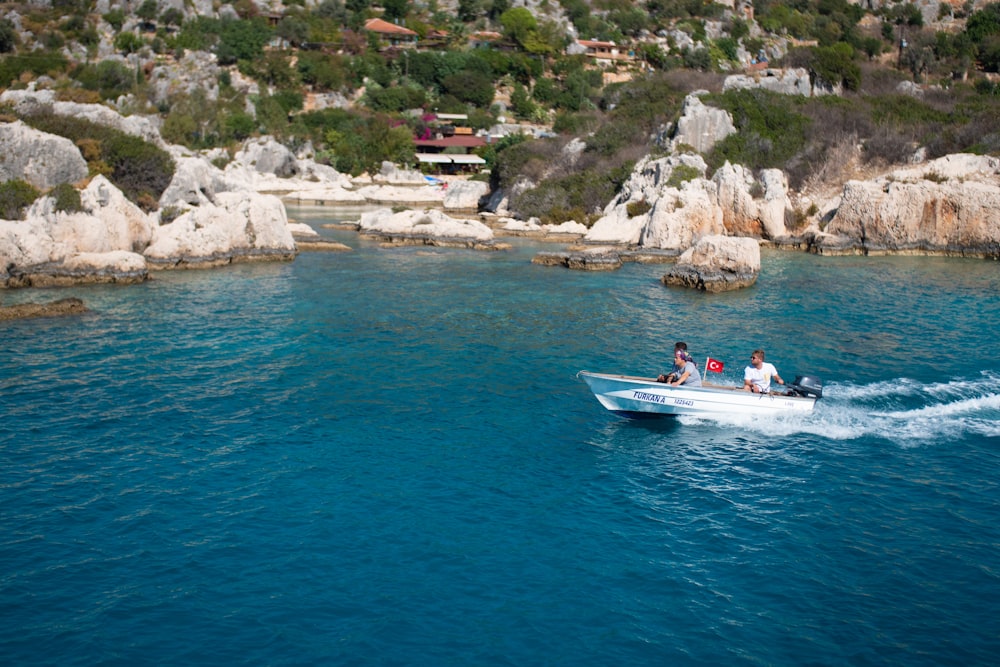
column 391, row 34
column 450, row 149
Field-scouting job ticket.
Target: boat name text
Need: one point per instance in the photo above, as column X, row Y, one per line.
column 656, row 398
column 649, row 398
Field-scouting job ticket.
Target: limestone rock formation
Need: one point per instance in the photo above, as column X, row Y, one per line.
column 742, row 214
column 101, row 243
column 656, row 210
column 32, row 101
column 239, row 227
column 782, row 81
column 427, row 227
column 946, row 206
column 196, row 181
column 429, row 222
column 464, row 195
column 667, row 203
column 700, row 126
column 118, row 267
column 717, row 264
column 265, row 155
column 108, row 221
column 44, row 160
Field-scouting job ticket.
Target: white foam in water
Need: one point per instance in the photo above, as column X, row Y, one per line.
column 903, row 411
column 991, row 402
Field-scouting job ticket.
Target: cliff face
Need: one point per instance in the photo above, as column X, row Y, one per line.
column 948, row 206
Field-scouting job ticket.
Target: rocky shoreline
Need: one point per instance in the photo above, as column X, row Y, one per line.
column 667, row 207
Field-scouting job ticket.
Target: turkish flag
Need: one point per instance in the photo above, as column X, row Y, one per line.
column 714, row 365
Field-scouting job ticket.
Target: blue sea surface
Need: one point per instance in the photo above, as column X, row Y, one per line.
column 384, row 457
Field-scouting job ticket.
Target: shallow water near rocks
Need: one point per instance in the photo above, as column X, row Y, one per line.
column 385, row 457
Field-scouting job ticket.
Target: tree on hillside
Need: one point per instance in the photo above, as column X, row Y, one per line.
column 834, row 65
column 497, row 8
column 242, row 40
column 469, row 10
column 472, row 87
column 983, row 30
column 362, row 144
column 518, row 24
column 172, row 16
column 395, row 9
column 147, row 11
column 984, row 23
column 293, row 29
column 8, row 36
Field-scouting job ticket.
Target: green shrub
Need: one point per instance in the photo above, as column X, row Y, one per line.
column 578, row 195
column 108, row 77
column 170, row 213
column 242, row 39
column 394, row 99
column 637, row 208
column 8, row 36
column 364, row 143
column 491, row 151
column 67, row 198
column 682, row 173
column 835, row 65
column 575, row 123
column 138, row 168
column 16, row 196
column 240, row 125
column 906, row 110
column 769, row 129
column 115, row 18
column 135, row 166
column 40, row 63
column 129, row 42
column 476, row 88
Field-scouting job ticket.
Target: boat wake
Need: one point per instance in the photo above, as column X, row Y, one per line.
column 903, row 411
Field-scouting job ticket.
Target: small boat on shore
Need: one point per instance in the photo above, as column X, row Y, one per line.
column 632, row 396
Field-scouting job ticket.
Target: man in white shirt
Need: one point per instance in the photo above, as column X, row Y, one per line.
column 758, row 375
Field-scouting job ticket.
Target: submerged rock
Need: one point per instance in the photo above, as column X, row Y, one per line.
column 71, row 306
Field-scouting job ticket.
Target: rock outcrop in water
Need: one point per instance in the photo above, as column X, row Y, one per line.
column 717, row 264
column 427, row 227
column 945, row 206
column 71, row 306
column 668, row 204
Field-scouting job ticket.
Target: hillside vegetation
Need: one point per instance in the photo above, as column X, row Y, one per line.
column 311, row 75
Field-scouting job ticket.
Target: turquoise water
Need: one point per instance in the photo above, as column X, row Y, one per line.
column 385, row 457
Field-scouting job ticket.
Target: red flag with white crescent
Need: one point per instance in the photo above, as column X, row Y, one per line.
column 714, row 365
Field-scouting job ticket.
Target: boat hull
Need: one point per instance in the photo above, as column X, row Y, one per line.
column 644, row 397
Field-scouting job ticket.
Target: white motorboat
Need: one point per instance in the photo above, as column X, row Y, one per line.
column 639, row 397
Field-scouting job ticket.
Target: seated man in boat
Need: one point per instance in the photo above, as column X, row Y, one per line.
column 685, row 373
column 758, row 375
column 679, row 345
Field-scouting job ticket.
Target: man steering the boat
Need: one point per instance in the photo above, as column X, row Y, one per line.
column 758, row 375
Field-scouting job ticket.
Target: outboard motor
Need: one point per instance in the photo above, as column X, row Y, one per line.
column 807, row 385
